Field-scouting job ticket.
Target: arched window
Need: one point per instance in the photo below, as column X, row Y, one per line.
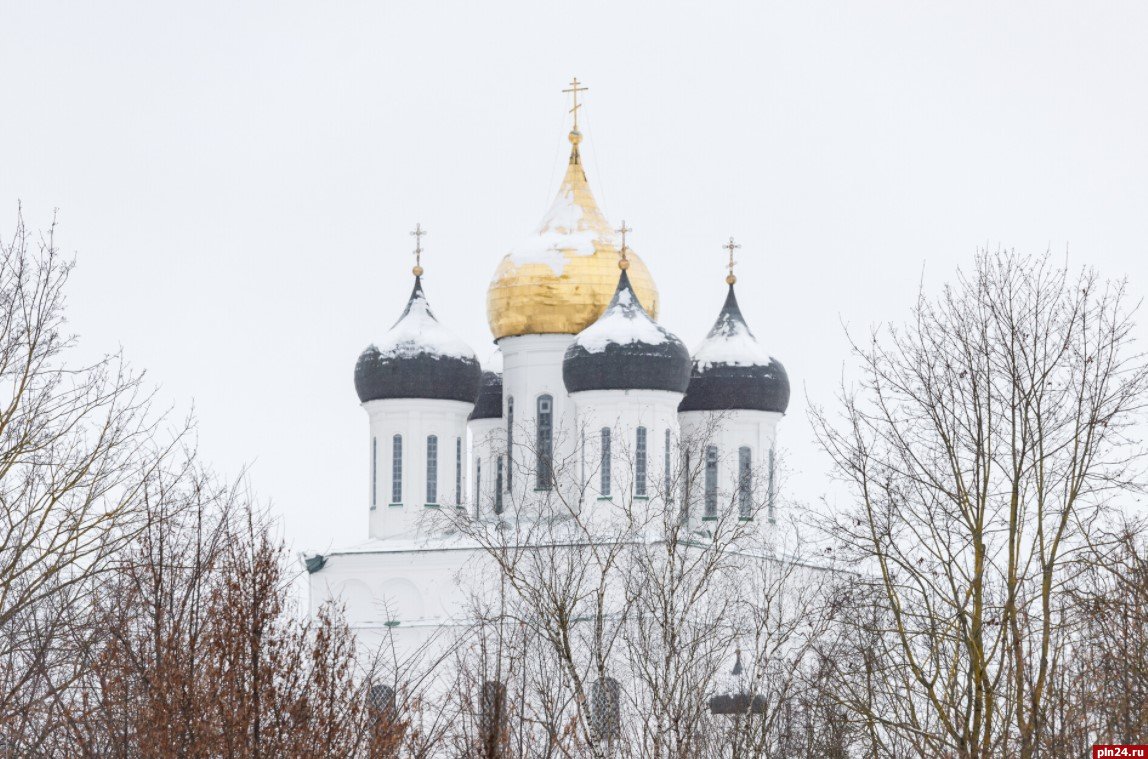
column 544, row 477
column 493, row 719
column 397, row 469
column 498, row 485
column 374, row 471
column 458, row 471
column 606, row 709
column 744, row 482
column 770, row 491
column 509, row 442
column 381, row 711
column 432, row 469
column 711, row 482
column 640, row 463
column 604, row 469
column 668, row 465
column 477, row 487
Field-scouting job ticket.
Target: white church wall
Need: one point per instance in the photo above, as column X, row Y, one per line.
column 415, row 420
column 487, row 466
column 728, row 432
column 532, row 368
column 623, row 413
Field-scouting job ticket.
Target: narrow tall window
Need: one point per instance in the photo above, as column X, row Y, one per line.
column 432, row 469
column 509, row 444
column 458, row 471
column 668, row 465
column 640, row 463
column 606, row 709
column 770, row 492
column 498, row 485
column 374, row 471
column 397, row 469
column 711, row 481
column 744, row 482
column 544, row 478
column 604, row 469
column 477, row 487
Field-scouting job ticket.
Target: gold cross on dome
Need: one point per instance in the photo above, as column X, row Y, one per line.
column 731, row 246
column 575, row 89
column 622, row 230
column 418, row 235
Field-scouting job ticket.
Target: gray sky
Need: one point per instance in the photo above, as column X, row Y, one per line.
column 237, row 180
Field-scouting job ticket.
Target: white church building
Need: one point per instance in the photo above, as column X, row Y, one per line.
column 583, row 404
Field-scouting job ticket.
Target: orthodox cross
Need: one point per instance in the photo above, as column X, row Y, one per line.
column 731, row 246
column 575, row 89
column 418, row 235
column 622, row 230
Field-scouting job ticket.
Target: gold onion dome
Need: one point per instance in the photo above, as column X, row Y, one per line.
column 560, row 279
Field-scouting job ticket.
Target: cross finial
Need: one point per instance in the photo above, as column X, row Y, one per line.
column 624, row 262
column 731, row 246
column 418, row 235
column 575, row 89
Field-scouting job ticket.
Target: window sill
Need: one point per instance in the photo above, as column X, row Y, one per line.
column 709, row 519
column 641, row 498
column 394, row 505
column 542, row 490
column 745, row 519
column 605, row 498
column 392, row 623
column 431, row 506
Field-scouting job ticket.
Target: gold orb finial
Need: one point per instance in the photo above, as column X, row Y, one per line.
column 623, row 260
column 418, row 235
column 731, row 246
column 575, row 137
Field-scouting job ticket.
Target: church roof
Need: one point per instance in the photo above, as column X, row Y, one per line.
column 417, row 358
column 732, row 371
column 625, row 349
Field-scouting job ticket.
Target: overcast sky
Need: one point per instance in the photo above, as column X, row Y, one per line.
column 237, row 180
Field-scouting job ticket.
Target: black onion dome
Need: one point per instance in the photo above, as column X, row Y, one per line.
column 731, row 371
column 418, row 358
column 489, row 403
column 626, row 350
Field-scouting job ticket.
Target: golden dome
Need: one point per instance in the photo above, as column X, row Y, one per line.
column 560, row 280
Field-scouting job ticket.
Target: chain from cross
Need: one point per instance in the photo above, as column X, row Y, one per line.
column 622, row 230
column 731, row 246
column 575, row 89
column 418, row 235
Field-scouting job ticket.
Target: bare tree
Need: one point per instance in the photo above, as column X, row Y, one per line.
column 982, row 444
column 77, row 444
column 610, row 624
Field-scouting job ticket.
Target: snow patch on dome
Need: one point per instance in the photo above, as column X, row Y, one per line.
column 417, row 331
column 730, row 343
column 564, row 230
column 624, row 322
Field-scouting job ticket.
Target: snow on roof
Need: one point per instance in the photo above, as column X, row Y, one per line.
column 417, row 331
column 564, row 229
column 625, row 321
column 731, row 343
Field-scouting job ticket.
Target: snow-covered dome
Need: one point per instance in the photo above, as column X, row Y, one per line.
column 731, row 371
column 418, row 358
column 558, row 280
column 626, row 350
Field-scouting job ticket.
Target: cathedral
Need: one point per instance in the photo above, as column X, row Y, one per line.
column 583, row 408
